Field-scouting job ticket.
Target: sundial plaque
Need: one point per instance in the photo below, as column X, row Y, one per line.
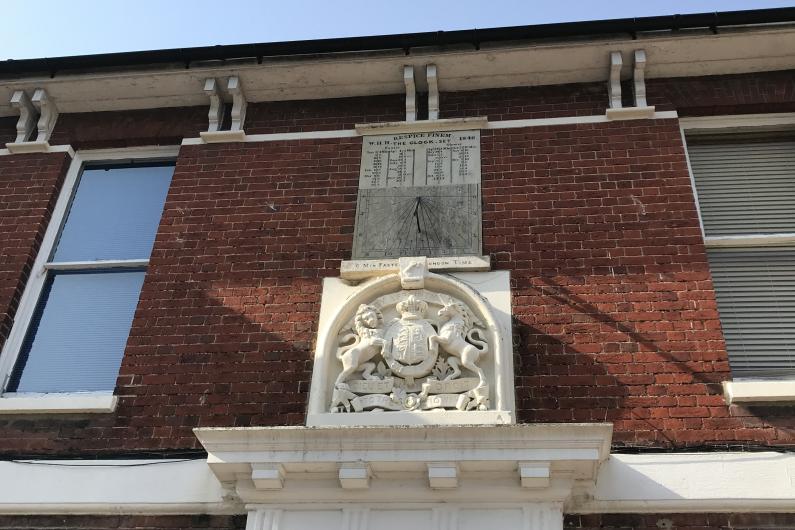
column 419, row 195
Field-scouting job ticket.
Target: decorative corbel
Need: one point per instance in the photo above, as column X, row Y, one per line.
column 639, row 78
column 411, row 93
column 268, row 476
column 534, row 474
column 640, row 110
column 354, row 475
column 216, row 114
column 214, row 133
column 442, row 475
column 27, row 115
column 238, row 103
column 48, row 114
column 36, row 114
column 614, row 83
column 433, row 91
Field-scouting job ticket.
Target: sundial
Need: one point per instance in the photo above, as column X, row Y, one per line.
column 419, row 195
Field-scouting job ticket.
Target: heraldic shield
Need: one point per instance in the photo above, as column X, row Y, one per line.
column 409, row 352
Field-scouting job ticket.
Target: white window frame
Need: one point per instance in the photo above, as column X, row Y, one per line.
column 744, row 389
column 27, row 403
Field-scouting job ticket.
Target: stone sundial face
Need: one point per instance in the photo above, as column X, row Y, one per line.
column 419, row 195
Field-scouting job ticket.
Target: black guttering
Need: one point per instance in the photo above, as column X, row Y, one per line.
column 473, row 37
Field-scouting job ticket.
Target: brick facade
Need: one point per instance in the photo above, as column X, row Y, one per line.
column 614, row 313
column 29, row 187
column 123, row 522
column 680, row 521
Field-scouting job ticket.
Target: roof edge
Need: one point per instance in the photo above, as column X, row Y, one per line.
column 405, row 41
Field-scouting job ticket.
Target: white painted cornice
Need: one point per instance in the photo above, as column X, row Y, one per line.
column 691, row 53
column 294, row 464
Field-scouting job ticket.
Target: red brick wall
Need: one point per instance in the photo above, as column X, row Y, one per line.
column 727, row 94
column 97, row 130
column 8, row 130
column 123, row 522
column 519, row 103
column 615, row 317
column 680, row 521
column 322, row 115
column 29, row 186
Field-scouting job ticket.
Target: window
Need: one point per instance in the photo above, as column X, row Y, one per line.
column 75, row 316
column 745, row 185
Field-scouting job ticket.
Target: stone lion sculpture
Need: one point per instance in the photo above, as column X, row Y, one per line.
column 368, row 342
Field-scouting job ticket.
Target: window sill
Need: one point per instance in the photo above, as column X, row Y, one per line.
column 78, row 402
column 759, row 391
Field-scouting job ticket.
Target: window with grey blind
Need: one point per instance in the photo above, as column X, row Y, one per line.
column 746, row 195
column 76, row 338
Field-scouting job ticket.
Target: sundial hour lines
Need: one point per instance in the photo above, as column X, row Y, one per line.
column 419, row 195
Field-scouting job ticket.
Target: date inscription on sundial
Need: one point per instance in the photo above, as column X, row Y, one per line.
column 419, row 195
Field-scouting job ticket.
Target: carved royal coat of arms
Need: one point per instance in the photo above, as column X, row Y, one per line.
column 415, row 361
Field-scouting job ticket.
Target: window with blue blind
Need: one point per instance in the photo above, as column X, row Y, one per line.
column 76, row 338
column 746, row 194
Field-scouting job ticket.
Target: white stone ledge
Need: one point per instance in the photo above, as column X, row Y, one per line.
column 692, row 482
column 110, row 486
column 400, row 127
column 425, row 126
column 759, row 392
column 216, row 137
column 415, row 418
column 359, row 269
column 630, row 113
column 78, row 402
column 644, row 483
column 20, row 148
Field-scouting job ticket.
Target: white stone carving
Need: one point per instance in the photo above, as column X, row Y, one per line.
column 437, row 354
column 413, row 350
column 239, row 103
column 639, row 80
column 48, row 114
column 412, row 272
column 614, row 83
column 456, row 336
column 368, row 341
column 27, row 115
column 411, row 93
column 433, row 91
column 216, row 114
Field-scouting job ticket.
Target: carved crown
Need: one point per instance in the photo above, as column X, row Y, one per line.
column 412, row 307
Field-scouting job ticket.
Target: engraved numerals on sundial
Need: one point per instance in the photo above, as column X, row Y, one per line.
column 419, row 195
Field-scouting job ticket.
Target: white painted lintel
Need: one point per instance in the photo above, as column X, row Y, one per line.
column 759, row 392
column 17, row 148
column 77, row 402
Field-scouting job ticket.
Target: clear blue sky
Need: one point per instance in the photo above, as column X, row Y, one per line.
column 52, row 28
